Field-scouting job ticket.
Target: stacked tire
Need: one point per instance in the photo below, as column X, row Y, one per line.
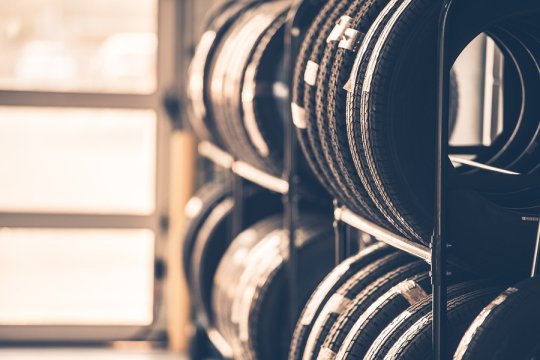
column 377, row 305
column 363, row 102
column 237, row 88
column 209, row 216
column 364, row 108
column 251, row 284
column 239, row 282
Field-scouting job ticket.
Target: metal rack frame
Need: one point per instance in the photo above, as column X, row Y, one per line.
column 344, row 219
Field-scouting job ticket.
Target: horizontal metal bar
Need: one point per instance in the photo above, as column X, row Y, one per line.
column 215, row 154
column 90, row 100
column 381, row 234
column 260, row 177
column 478, row 165
column 242, row 169
column 220, row 343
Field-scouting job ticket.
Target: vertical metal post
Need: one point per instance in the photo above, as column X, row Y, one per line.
column 438, row 244
column 536, row 255
column 290, row 202
column 347, row 234
column 238, row 210
column 290, row 199
column 342, row 235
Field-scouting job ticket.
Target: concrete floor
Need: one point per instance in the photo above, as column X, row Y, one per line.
column 51, row 353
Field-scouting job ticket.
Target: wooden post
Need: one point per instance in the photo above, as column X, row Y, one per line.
column 182, row 183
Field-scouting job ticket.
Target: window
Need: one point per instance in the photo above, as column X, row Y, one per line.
column 93, row 277
column 99, row 161
column 83, row 144
column 90, row 46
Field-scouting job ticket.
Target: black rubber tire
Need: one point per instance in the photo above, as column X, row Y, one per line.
column 234, row 260
column 211, row 244
column 214, row 236
column 264, row 28
column 261, row 118
column 217, row 74
column 379, row 315
column 355, row 197
column 508, row 328
column 337, row 277
column 251, row 283
column 265, row 319
column 400, row 325
column 416, row 342
column 299, row 85
column 400, row 156
column 199, row 112
column 310, row 107
column 196, row 211
column 259, row 264
column 362, row 302
column 513, row 149
column 331, row 116
column 345, row 294
column 237, row 52
column 240, row 255
column 225, row 62
column 357, row 147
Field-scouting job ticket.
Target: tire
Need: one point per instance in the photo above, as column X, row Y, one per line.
column 196, row 211
column 200, row 115
column 379, row 315
column 230, row 65
column 219, row 73
column 261, row 119
column 339, row 301
column 214, row 237
column 362, row 302
column 254, row 308
column 357, row 147
column 337, row 277
column 392, row 134
column 472, row 294
column 265, row 28
column 337, row 63
column 217, row 78
column 310, row 107
column 416, row 342
column 508, row 328
column 316, row 259
column 236, row 259
column 297, row 106
column 354, row 197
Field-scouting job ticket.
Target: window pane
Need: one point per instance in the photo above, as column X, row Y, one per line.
column 76, row 277
column 57, row 160
column 78, row 45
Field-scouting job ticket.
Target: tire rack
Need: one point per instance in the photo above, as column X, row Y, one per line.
column 301, row 13
column 435, row 255
column 240, row 172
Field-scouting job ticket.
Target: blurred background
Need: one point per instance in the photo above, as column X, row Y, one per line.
column 91, row 154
